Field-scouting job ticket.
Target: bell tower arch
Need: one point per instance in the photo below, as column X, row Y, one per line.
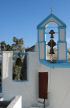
column 61, row 42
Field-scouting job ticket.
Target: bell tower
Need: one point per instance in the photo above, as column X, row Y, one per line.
column 61, row 42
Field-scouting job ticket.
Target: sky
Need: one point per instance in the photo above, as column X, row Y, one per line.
column 20, row 18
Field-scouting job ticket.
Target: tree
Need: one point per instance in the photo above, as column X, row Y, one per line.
column 8, row 47
column 15, row 39
column 3, row 46
column 18, row 44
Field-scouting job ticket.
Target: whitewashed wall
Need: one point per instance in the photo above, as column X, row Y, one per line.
column 58, row 83
column 58, row 86
column 26, row 89
column 59, row 93
column 16, row 103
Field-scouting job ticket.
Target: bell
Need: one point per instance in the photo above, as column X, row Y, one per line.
column 51, row 43
column 51, row 51
column 18, row 62
column 52, row 32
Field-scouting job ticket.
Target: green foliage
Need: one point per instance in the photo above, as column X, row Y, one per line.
column 8, row 48
column 15, row 39
column 16, row 72
column 16, row 68
column 16, row 46
column 3, row 46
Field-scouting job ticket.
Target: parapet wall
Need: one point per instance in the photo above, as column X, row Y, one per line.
column 16, row 102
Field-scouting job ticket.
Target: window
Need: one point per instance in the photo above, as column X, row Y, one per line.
column 19, row 67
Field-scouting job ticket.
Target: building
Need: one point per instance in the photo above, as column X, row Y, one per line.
column 56, row 75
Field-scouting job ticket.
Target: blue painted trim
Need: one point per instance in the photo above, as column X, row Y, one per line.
column 66, row 50
column 57, row 50
column 39, row 25
column 65, row 34
column 38, row 44
column 16, row 53
column 61, row 61
column 51, row 15
column 19, row 81
column 61, row 41
column 38, row 36
column 59, row 20
column 44, row 45
column 41, row 41
column 58, row 33
column 55, row 65
column 39, row 50
column 66, row 41
column 44, row 34
column 58, row 43
column 61, row 27
column 45, row 50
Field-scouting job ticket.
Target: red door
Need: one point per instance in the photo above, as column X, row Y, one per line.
column 43, row 85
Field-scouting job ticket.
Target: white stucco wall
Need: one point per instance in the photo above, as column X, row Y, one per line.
column 27, row 89
column 58, row 86
column 59, row 93
column 58, row 83
column 16, row 103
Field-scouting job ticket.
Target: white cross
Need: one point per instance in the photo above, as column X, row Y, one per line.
column 51, row 10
